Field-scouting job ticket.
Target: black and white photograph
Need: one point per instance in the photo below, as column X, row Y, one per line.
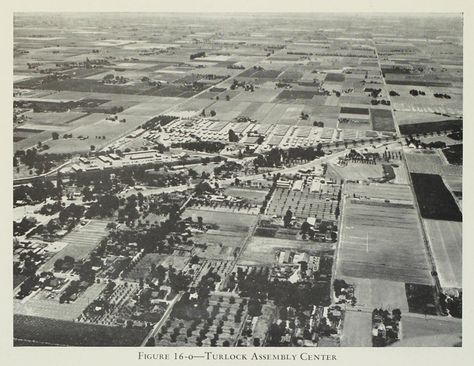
column 224, row 179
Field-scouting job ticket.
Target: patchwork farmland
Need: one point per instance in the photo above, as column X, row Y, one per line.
column 196, row 180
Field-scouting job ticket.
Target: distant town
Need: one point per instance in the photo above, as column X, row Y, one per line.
column 237, row 180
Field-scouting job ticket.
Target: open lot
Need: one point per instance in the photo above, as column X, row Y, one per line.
column 42, row 306
column 253, row 195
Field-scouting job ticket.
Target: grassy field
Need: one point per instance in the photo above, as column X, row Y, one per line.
column 382, row 241
column 433, row 331
column 432, row 163
column 355, row 171
column 382, row 120
column 446, row 241
column 357, row 329
column 51, row 332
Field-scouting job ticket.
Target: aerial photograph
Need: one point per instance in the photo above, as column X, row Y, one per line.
column 237, row 179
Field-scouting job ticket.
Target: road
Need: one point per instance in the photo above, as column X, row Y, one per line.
column 165, row 316
column 147, row 191
column 429, row 250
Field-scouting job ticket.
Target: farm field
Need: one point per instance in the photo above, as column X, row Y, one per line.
column 381, row 241
column 52, row 119
column 433, row 331
column 382, row 120
column 357, row 329
column 409, row 118
column 428, row 127
column 102, row 128
column 51, row 332
column 446, row 241
column 431, row 163
column 434, row 199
